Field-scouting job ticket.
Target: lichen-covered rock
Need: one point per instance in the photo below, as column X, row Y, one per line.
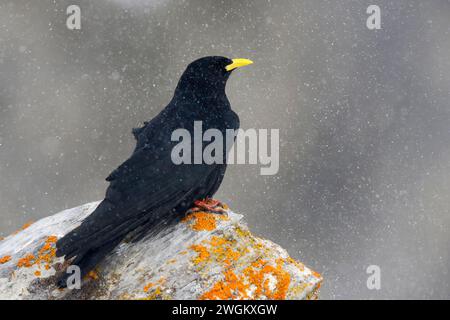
column 205, row 256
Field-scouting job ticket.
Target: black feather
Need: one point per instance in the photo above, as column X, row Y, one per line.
column 148, row 189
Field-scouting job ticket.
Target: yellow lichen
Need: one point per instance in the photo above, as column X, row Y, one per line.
column 243, row 233
column 298, row 264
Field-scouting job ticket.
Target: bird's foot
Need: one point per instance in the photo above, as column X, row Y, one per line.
column 209, row 205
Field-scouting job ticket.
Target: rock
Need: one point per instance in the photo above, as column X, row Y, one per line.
column 205, row 256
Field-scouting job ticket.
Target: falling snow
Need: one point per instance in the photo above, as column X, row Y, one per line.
column 363, row 117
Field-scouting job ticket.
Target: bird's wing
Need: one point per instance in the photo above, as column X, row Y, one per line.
column 148, row 177
column 144, row 187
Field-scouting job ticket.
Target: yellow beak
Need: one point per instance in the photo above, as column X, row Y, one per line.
column 237, row 63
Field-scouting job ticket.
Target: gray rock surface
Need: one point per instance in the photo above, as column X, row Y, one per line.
column 205, row 256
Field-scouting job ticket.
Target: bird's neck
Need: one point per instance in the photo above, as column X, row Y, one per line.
column 205, row 94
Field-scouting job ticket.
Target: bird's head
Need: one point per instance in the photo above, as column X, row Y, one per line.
column 208, row 75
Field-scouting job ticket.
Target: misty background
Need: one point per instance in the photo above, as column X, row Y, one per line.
column 364, row 120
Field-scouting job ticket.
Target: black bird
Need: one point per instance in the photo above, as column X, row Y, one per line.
column 148, row 189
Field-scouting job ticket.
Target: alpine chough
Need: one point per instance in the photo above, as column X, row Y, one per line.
column 149, row 189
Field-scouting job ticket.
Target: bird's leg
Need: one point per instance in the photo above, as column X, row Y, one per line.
column 210, row 202
column 209, row 205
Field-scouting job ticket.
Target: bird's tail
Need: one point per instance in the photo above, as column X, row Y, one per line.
column 103, row 230
column 90, row 242
column 87, row 261
column 89, row 234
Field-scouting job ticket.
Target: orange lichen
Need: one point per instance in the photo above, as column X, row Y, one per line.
column 26, row 225
column 217, row 241
column 203, row 254
column 47, row 251
column 92, row 275
column 26, row 261
column 204, row 221
column 243, row 279
column 258, row 263
column 231, row 287
column 157, row 286
column 45, row 255
column 37, row 273
column 218, row 248
column 51, row 239
column 5, row 259
column 223, row 250
column 253, row 277
column 259, row 278
column 148, row 286
column 316, row 274
column 156, row 294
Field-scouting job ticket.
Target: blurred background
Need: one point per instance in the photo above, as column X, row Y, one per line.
column 364, row 120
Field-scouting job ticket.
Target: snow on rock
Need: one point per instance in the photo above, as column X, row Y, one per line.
column 205, row 256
